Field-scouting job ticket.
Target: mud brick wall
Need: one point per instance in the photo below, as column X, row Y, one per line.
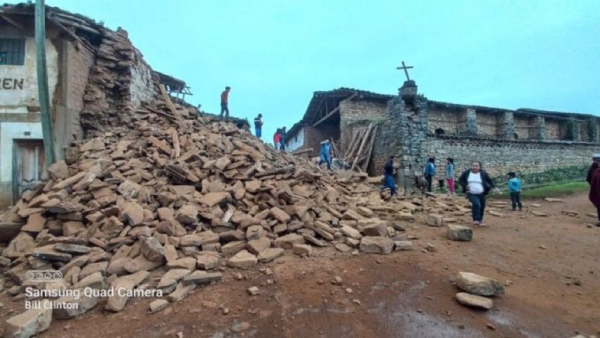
column 523, row 126
column 500, row 157
column 554, row 130
column 448, row 120
column 487, row 123
column 358, row 113
column 314, row 136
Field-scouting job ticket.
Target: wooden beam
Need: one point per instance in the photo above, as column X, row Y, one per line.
column 362, row 144
column 66, row 30
column 370, row 147
column 300, row 152
column 12, row 22
column 333, row 111
column 169, row 102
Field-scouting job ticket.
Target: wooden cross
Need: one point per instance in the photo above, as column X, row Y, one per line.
column 405, row 69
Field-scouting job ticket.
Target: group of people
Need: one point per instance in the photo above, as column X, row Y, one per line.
column 476, row 183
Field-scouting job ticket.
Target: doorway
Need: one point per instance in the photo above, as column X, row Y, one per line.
column 29, row 163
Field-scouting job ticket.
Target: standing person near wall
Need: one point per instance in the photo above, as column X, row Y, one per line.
column 258, row 123
column 593, row 178
column 225, row 103
column 476, row 183
column 325, row 155
column 388, row 174
column 514, row 189
column 277, row 139
column 283, row 132
column 429, row 172
column 450, row 175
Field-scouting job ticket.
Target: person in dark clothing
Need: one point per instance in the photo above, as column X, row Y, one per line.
column 476, row 183
column 258, row 123
column 283, row 138
column 429, row 172
column 388, row 172
column 225, row 103
column 593, row 178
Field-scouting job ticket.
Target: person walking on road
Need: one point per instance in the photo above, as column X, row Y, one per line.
column 593, row 178
column 225, row 103
column 514, row 189
column 476, row 183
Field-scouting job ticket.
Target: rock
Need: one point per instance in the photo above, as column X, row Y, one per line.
column 253, row 290
column 72, row 228
column 207, row 262
column 242, row 259
column 302, row 250
column 122, row 287
column 73, row 306
column 72, row 248
column 460, row 233
column 474, row 300
column 205, row 237
column 571, row 213
column 180, row 292
column 35, row 223
column 254, row 232
column 188, row 263
column 213, row 198
column 165, row 214
column 435, row 220
column 539, row 214
column 93, row 281
column 553, row 200
column 406, row 216
column 430, row 248
column 48, row 253
column 31, row 322
column 342, row 247
column 93, row 268
column 133, row 213
column 350, row 232
column 377, row 245
column 232, row 248
column 58, row 171
column 200, row 277
column 158, row 305
column 270, row 254
column 21, row 245
column 171, row 227
column 280, row 215
column 172, row 277
column 151, row 249
column 187, row 214
column 379, row 229
column 403, row 245
column 479, row 285
column 259, row 245
column 288, row 241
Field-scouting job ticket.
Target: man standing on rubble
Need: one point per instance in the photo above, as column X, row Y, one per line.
column 258, row 123
column 225, row 103
column 325, row 154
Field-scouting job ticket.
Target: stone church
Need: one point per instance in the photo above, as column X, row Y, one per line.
column 415, row 128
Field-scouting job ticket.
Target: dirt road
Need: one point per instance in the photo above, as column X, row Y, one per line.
column 551, row 266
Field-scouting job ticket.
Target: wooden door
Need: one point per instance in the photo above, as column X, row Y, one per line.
column 29, row 164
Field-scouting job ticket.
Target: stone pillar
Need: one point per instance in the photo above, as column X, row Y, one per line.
column 593, row 129
column 507, row 126
column 540, row 127
column 471, row 117
column 576, row 130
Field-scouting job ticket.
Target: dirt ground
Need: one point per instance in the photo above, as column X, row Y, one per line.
column 551, row 266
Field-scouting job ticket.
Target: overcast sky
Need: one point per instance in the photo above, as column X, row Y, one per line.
column 275, row 54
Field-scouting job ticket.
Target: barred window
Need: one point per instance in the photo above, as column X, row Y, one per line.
column 12, row 52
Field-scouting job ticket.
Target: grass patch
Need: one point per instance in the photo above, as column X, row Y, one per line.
column 556, row 190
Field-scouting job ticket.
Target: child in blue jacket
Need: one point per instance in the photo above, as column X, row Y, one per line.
column 514, row 188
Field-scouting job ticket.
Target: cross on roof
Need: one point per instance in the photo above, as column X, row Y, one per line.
column 405, row 67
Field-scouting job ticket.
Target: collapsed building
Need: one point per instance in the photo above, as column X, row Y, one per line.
column 369, row 127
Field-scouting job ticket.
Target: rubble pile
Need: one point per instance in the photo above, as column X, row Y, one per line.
column 171, row 199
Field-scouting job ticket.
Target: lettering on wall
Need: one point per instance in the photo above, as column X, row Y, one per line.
column 11, row 84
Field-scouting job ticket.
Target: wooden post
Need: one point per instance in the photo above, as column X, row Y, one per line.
column 42, row 80
column 362, row 145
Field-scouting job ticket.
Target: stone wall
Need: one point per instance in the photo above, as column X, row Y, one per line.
column 553, row 130
column 445, row 121
column 356, row 114
column 487, row 124
column 500, row 157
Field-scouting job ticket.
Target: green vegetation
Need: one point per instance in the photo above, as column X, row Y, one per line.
column 556, row 190
column 566, row 174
